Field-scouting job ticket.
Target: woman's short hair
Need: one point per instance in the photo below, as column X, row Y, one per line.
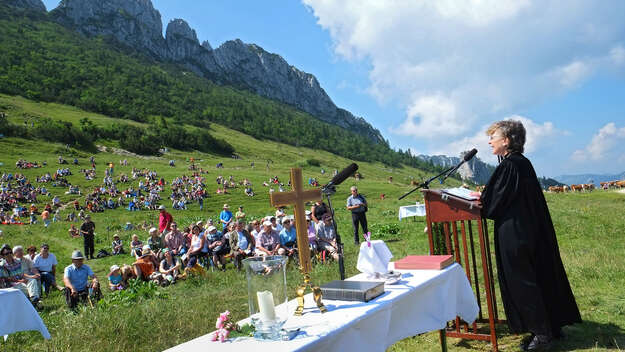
column 511, row 129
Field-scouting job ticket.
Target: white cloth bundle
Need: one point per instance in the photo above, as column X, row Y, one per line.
column 374, row 259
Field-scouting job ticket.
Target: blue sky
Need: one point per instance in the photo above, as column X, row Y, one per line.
column 431, row 75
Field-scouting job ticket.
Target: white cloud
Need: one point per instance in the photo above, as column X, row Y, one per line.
column 538, row 136
column 617, row 55
column 606, row 144
column 432, row 117
column 456, row 65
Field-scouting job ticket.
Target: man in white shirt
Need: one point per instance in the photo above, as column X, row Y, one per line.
column 46, row 263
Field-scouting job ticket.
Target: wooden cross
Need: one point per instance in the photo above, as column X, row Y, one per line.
column 298, row 197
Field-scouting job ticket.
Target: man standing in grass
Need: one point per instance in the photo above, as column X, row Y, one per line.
column 225, row 217
column 87, row 231
column 164, row 219
column 357, row 204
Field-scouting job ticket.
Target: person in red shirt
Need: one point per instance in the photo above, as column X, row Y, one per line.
column 164, row 219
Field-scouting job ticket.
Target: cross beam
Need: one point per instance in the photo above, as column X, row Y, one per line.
column 298, row 197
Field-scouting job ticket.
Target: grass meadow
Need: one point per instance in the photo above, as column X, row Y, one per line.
column 590, row 229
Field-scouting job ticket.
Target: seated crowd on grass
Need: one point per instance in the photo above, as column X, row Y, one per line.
column 168, row 254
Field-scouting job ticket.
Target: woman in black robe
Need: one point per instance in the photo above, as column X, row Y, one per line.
column 535, row 290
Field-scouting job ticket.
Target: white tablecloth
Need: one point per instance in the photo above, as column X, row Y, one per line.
column 411, row 210
column 18, row 314
column 424, row 300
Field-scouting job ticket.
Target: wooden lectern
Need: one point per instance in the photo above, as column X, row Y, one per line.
column 444, row 215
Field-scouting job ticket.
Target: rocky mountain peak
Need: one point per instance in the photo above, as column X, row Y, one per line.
column 36, row 5
column 179, row 29
column 133, row 22
column 137, row 24
column 206, row 45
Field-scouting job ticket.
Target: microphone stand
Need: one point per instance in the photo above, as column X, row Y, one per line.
column 426, row 184
column 329, row 191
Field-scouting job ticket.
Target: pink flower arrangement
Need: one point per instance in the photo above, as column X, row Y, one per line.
column 224, row 326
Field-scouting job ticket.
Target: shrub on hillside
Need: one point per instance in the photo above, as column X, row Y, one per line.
column 313, row 162
column 63, row 132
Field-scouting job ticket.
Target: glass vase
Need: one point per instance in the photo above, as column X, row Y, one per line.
column 267, row 294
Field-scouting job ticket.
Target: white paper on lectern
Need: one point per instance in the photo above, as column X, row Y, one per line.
column 374, row 259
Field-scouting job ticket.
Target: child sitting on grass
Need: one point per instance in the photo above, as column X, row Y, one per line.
column 115, row 278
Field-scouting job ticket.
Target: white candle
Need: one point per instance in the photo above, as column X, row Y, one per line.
column 265, row 305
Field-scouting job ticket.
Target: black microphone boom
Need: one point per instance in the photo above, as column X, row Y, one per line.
column 426, row 184
column 342, row 176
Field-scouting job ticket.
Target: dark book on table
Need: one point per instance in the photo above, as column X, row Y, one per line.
column 424, row 262
column 362, row 291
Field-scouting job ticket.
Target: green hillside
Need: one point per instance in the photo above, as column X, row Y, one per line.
column 269, row 158
column 588, row 235
column 41, row 60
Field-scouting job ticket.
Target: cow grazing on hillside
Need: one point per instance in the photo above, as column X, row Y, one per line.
column 588, row 187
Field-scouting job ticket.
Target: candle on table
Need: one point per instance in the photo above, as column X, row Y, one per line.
column 265, row 305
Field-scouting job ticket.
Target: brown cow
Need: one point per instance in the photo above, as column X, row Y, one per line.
column 576, row 188
column 588, row 186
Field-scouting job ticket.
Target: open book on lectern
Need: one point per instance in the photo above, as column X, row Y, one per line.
column 461, row 192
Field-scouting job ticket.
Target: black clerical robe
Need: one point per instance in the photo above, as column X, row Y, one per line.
column 535, row 291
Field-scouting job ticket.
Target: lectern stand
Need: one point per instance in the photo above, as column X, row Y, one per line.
column 445, row 214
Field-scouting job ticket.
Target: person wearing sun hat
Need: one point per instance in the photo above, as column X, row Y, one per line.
column 144, row 266
column 115, row 278
column 225, row 217
column 117, row 245
column 76, row 279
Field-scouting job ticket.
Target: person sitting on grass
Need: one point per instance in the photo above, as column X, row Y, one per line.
column 117, row 245
column 135, row 246
column 76, row 278
column 174, row 240
column 155, row 242
column 241, row 244
column 170, row 267
column 326, row 236
column 268, row 241
column 31, row 253
column 115, row 278
column 198, row 243
column 288, row 238
column 73, row 231
column 312, row 235
column 144, row 266
column 217, row 246
column 28, row 273
column 46, row 263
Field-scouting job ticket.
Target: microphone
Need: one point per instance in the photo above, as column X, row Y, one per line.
column 341, row 176
column 468, row 156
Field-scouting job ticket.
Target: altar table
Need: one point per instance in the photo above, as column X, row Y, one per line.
column 18, row 314
column 423, row 301
column 411, row 210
